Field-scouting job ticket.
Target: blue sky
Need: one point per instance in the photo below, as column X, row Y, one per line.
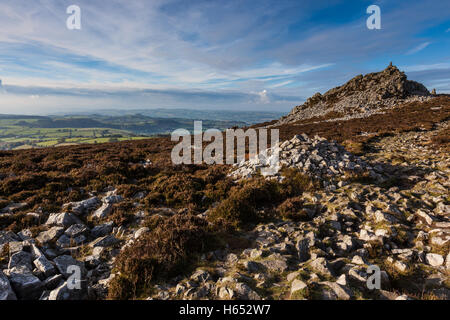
column 252, row 55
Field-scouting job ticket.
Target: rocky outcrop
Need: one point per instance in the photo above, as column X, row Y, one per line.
column 360, row 97
column 315, row 157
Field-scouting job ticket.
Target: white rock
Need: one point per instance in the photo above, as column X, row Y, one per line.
column 65, row 219
column 297, row 285
column 140, row 232
column 434, row 259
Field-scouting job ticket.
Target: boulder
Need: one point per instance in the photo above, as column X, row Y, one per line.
column 64, row 219
column 53, row 282
column 65, row 241
column 275, row 265
column 76, row 230
column 201, row 276
column 112, row 198
column 297, row 285
column 341, row 292
column 65, row 261
column 50, row 235
column 20, row 259
column 44, row 266
column 102, row 229
column 245, row 292
column 106, row 241
column 7, row 237
column 321, row 265
column 6, row 292
column 17, row 246
column 103, row 211
column 25, row 284
column 64, row 292
column 253, row 266
column 302, row 247
column 434, row 259
column 25, row 234
column 84, row 206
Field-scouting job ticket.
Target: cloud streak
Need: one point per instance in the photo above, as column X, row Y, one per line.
column 183, row 52
column 419, row 48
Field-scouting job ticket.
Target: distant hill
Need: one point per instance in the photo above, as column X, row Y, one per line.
column 249, row 117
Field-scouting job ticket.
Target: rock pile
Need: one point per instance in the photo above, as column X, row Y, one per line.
column 41, row 266
column 316, row 157
column 360, row 97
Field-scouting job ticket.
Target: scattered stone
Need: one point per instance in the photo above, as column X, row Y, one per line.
column 64, row 262
column 25, row 284
column 297, row 285
column 201, row 276
column 102, row 230
column 63, row 292
column 140, row 232
column 20, row 259
column 53, row 282
column 7, row 237
column 64, row 219
column 245, row 292
column 321, row 265
column 76, row 230
column 44, row 266
column 84, row 206
column 50, row 235
column 103, row 211
column 6, row 292
column 434, row 259
column 106, row 241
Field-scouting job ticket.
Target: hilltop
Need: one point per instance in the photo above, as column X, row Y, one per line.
column 362, row 96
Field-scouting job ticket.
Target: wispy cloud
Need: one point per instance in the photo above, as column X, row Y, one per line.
column 419, row 48
column 424, row 67
column 173, row 52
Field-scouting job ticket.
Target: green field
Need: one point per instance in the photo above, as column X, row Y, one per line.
column 14, row 135
column 21, row 132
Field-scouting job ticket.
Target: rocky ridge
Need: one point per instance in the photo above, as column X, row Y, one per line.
column 362, row 96
column 316, row 157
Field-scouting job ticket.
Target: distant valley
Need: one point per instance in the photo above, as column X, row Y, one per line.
column 23, row 132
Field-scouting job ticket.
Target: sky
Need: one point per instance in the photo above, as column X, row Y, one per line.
column 207, row 54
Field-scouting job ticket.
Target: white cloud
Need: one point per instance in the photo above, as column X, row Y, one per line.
column 425, row 67
column 263, row 97
column 418, row 48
